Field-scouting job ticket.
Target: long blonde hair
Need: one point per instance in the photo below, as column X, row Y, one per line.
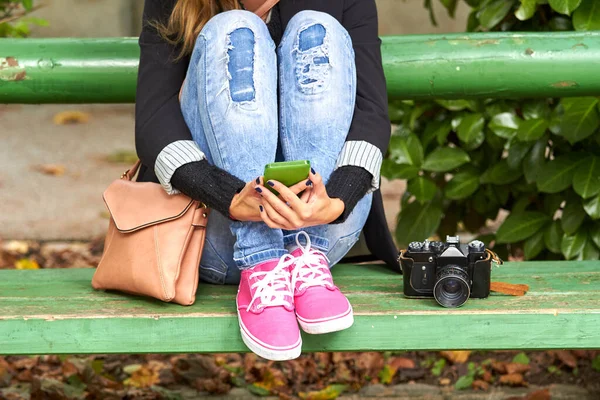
column 187, row 20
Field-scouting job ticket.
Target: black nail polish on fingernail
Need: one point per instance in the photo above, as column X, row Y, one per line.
column 259, row 190
column 261, row 208
column 271, row 184
column 313, row 171
column 309, row 183
column 258, row 180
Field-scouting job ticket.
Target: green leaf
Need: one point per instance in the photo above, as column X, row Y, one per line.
column 521, row 226
column 450, row 6
column 560, row 23
column 592, row 207
column 573, row 245
column 521, row 358
column 500, row 174
column 580, row 118
column 526, row 10
column 557, row 175
column 462, row 185
column 417, row 222
column 504, row 125
column 595, row 234
column 391, row 170
column 534, row 245
column 535, row 160
column 422, row 188
column 589, row 251
column 572, row 216
column 494, row 12
column 587, row 16
column 532, row 129
column 564, row 6
column 464, row 382
column 596, row 363
column 552, row 202
column 457, row 105
column 438, row 367
column 516, row 153
column 406, row 150
column 536, row 109
column 553, row 237
column 470, row 129
column 436, row 130
column 586, row 180
column 27, row 4
column 444, row 159
column 258, row 390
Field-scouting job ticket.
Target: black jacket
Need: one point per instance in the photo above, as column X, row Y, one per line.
column 159, row 120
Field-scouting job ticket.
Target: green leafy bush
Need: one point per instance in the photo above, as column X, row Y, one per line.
column 535, row 162
column 12, row 21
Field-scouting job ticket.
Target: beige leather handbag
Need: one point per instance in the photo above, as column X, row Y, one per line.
column 154, row 241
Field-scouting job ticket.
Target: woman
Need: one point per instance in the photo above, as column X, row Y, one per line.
column 221, row 93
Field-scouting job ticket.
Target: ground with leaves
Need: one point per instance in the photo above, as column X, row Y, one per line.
column 314, row 376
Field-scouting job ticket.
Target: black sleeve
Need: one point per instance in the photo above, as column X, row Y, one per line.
column 158, row 117
column 348, row 184
column 371, row 122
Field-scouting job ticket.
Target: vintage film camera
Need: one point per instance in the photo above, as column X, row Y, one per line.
column 450, row 272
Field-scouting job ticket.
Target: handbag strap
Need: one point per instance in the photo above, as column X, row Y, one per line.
column 130, row 173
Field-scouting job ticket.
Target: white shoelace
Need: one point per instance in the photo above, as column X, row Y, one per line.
column 274, row 286
column 309, row 270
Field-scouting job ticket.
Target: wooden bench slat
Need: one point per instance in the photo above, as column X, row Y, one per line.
column 57, row 311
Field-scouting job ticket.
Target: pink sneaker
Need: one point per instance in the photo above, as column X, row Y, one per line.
column 265, row 307
column 320, row 306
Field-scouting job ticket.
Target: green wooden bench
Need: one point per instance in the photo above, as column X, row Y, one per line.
column 57, row 312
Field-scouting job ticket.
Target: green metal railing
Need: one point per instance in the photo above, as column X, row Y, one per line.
column 453, row 66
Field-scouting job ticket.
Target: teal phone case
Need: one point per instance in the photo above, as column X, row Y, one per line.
column 287, row 172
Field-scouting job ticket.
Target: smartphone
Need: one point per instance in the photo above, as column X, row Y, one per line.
column 287, row 172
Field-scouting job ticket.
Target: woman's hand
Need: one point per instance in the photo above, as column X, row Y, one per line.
column 245, row 205
column 288, row 211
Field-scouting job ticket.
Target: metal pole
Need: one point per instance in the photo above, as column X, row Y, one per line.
column 454, row 66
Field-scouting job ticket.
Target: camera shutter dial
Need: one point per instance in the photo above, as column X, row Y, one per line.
column 415, row 246
column 476, row 246
column 437, row 246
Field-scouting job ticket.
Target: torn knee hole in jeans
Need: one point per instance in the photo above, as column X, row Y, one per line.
column 312, row 59
column 240, row 65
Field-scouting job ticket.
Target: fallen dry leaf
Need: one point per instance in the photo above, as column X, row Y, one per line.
column 566, row 357
column 499, row 366
column 481, row 385
column 329, row 393
column 122, row 157
column 71, row 117
column 513, row 380
column 142, row 378
column 402, row 363
column 51, row 169
column 16, row 246
column 514, row 368
column 445, row 381
column 456, row 357
column 26, row 263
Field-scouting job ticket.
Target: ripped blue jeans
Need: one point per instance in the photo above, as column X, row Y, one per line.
column 243, row 118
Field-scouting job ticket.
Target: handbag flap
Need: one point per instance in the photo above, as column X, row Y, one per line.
column 137, row 205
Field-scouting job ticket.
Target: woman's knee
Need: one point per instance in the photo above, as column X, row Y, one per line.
column 309, row 29
column 228, row 22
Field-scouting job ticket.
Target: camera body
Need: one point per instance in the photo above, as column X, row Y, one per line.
column 450, row 272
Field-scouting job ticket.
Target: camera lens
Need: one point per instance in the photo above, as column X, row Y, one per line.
column 452, row 288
